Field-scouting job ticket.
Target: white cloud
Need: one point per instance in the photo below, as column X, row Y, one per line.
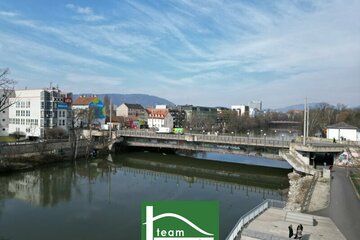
column 86, row 13
column 218, row 53
column 8, row 14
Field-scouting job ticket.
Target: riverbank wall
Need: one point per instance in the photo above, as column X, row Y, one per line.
column 26, row 156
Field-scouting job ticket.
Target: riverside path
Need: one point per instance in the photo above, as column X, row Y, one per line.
column 344, row 207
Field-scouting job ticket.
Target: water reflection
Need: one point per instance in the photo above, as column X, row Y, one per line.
column 101, row 199
column 39, row 187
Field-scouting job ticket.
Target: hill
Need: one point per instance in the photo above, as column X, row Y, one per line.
column 298, row 107
column 143, row 99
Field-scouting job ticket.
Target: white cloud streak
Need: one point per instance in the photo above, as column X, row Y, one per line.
column 228, row 51
column 86, row 13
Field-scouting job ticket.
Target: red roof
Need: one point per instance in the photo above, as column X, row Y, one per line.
column 84, row 100
column 157, row 113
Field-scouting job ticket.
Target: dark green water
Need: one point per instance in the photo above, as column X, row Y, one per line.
column 101, row 199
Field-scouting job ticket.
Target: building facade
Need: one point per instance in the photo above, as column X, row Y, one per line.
column 198, row 111
column 88, row 110
column 179, row 118
column 4, row 113
column 131, row 110
column 34, row 111
column 159, row 118
column 241, row 110
column 342, row 131
column 255, row 104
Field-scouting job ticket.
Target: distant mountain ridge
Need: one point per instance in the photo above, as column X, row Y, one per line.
column 300, row 107
column 143, row 99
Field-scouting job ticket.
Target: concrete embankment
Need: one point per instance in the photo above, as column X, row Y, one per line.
column 308, row 193
column 25, row 156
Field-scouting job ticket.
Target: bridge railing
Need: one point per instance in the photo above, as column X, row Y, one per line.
column 209, row 138
column 249, row 216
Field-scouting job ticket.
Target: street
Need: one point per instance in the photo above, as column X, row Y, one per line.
column 344, row 208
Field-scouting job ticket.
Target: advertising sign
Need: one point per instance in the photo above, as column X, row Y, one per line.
column 62, row 106
column 176, row 220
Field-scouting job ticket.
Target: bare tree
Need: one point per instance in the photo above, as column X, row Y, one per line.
column 6, row 89
column 107, row 105
column 78, row 116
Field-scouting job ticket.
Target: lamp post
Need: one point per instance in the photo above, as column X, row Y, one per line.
column 248, row 135
column 282, row 139
column 264, row 141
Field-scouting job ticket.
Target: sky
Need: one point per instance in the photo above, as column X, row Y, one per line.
column 210, row 53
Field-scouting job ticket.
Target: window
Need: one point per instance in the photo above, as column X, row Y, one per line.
column 17, row 104
column 22, row 121
column 4, row 129
column 42, row 105
column 17, row 113
column 32, row 121
column 28, row 113
column 28, row 104
column 27, row 121
column 22, row 104
column 63, row 122
column 36, row 122
column 3, row 120
column 17, row 121
column 59, row 122
column 28, row 130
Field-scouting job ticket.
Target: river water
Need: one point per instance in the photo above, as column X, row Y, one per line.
column 101, row 199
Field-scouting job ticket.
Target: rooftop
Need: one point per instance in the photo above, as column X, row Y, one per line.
column 342, row 125
column 85, row 100
column 157, row 113
column 134, row 106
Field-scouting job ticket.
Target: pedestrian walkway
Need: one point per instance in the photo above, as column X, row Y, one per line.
column 344, row 207
column 274, row 222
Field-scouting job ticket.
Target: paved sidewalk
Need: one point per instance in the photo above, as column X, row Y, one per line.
column 344, row 207
column 273, row 224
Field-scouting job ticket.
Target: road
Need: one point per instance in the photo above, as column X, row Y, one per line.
column 344, row 207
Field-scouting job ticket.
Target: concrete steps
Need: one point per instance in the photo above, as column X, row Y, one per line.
column 252, row 234
column 297, row 164
column 300, row 218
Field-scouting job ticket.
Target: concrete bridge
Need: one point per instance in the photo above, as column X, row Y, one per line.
column 301, row 157
column 218, row 139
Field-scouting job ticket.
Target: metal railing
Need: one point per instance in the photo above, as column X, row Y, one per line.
column 270, row 142
column 306, row 202
column 245, row 219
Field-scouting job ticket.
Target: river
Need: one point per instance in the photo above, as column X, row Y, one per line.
column 101, row 199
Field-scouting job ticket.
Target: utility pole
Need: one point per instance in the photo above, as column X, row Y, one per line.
column 110, row 122
column 305, row 118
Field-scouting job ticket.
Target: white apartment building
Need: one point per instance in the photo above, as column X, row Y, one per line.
column 160, row 118
column 253, row 109
column 255, row 104
column 4, row 114
column 33, row 111
column 240, row 109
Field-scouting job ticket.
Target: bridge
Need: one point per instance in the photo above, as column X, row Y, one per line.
column 301, row 157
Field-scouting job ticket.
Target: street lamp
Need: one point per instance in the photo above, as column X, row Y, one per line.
column 282, row 138
column 264, row 141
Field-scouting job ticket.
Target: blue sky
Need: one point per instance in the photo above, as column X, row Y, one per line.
column 201, row 52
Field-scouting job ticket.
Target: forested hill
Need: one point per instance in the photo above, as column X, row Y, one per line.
column 143, row 99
